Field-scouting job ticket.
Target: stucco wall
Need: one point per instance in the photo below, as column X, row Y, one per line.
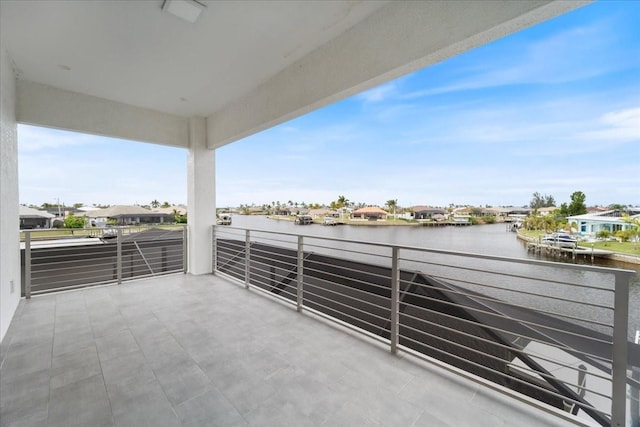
column 201, row 197
column 47, row 106
column 9, row 218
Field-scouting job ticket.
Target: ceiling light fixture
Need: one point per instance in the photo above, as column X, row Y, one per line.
column 189, row 10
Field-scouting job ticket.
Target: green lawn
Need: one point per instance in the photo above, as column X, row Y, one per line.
column 628, row 248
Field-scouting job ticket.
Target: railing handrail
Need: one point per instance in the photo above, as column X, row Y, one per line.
column 95, row 230
column 343, row 299
column 541, row 263
column 51, row 266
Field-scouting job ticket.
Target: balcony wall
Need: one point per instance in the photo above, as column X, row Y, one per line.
column 9, row 218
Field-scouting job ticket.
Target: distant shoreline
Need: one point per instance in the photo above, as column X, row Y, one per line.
column 367, row 223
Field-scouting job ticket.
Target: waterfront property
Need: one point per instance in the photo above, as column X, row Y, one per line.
column 428, row 212
column 323, row 213
column 371, row 213
column 125, row 355
column 591, row 224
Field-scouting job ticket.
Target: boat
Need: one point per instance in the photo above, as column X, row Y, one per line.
column 223, row 219
column 329, row 221
column 109, row 233
column 560, row 239
column 303, row 219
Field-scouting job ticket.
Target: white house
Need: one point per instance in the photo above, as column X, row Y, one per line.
column 591, row 223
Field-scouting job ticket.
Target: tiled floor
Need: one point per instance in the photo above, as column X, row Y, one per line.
column 199, row 351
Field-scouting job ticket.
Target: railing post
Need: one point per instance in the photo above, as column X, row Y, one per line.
column 119, row 255
column 27, row 264
column 395, row 291
column 185, row 249
column 214, row 251
column 300, row 273
column 635, row 396
column 619, row 357
column 247, row 258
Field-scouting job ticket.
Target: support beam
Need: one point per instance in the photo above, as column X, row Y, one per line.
column 401, row 37
column 41, row 105
column 201, row 189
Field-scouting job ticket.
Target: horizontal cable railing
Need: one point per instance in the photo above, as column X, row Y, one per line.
column 54, row 260
column 557, row 333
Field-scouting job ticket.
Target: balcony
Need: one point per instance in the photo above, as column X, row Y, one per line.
column 200, row 350
column 296, row 330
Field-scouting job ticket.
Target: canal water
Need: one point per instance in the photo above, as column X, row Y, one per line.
column 491, row 239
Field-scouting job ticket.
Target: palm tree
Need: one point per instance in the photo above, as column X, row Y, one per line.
column 392, row 205
column 633, row 226
column 342, row 201
column 155, row 203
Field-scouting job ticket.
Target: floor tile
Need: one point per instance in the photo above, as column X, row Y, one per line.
column 26, row 360
column 199, row 351
column 209, row 409
column 182, row 381
column 24, row 399
column 142, row 405
column 74, row 366
column 115, row 345
column 82, row 403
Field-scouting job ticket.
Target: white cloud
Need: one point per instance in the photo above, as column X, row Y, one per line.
column 550, row 60
column 615, row 126
column 33, row 138
column 379, row 93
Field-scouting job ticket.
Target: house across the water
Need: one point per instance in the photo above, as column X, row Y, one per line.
column 590, row 224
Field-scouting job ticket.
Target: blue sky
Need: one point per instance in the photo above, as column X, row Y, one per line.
column 552, row 109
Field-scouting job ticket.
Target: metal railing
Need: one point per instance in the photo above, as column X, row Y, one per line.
column 54, row 260
column 555, row 333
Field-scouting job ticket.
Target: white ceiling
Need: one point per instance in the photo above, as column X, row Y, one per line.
column 133, row 52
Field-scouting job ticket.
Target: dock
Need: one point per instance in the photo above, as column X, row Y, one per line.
column 574, row 253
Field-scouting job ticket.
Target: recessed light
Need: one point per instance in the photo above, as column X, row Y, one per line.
column 189, row 10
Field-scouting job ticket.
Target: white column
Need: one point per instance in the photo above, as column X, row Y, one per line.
column 201, row 197
column 9, row 216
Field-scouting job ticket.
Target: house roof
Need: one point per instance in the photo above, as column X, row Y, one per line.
column 462, row 210
column 601, row 217
column 370, row 210
column 27, row 212
column 182, row 210
column 121, row 210
column 427, row 209
column 322, row 211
